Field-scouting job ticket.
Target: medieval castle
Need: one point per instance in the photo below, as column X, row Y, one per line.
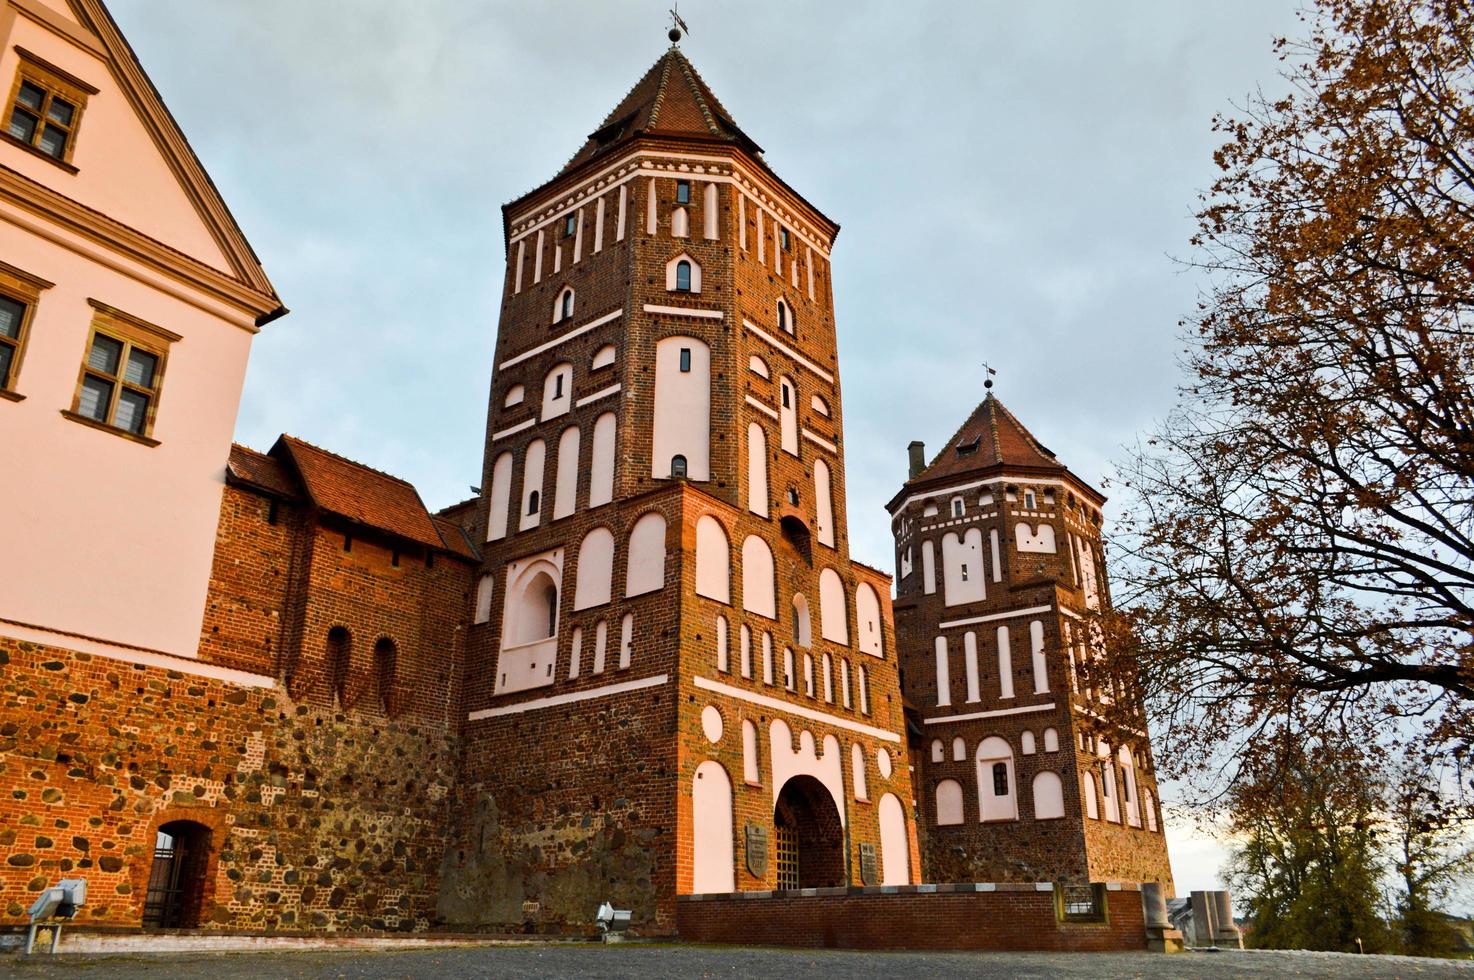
column 271, row 691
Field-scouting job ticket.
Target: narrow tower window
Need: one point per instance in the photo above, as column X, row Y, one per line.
column 678, row 467
column 683, row 192
column 683, row 276
column 685, row 360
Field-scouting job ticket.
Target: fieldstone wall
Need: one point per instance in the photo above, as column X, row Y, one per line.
column 318, row 819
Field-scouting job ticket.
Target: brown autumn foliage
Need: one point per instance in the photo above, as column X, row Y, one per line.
column 1298, row 556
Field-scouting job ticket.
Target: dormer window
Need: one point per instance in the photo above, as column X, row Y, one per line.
column 969, row 448
column 683, row 192
column 683, row 276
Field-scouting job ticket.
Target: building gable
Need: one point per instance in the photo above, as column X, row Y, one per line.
column 127, row 163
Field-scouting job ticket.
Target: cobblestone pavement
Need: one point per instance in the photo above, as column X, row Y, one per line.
column 652, row 961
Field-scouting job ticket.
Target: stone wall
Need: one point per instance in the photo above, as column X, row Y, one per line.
column 318, row 819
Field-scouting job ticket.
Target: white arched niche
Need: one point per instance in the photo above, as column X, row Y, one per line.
column 713, row 560
column 682, row 410
column 895, row 849
column 593, row 582
column 997, row 799
column 645, row 570
column 868, row 621
column 759, row 593
column 757, row 470
column 833, row 623
column 823, row 504
column 601, row 463
column 713, row 869
column 788, row 415
column 565, row 483
column 500, row 498
column 1049, row 796
column 949, row 802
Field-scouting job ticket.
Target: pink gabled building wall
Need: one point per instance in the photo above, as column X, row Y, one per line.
column 109, row 539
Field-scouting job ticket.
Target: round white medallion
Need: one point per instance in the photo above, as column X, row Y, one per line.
column 883, row 763
column 711, row 723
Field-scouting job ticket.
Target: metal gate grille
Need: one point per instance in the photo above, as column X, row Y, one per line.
column 786, row 850
column 163, row 906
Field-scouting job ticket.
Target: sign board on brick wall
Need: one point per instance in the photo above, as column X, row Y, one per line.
column 757, row 850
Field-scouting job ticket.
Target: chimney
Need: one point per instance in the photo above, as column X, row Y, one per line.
column 917, row 451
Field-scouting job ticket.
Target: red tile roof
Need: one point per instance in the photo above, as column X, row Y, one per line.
column 260, row 471
column 992, row 436
column 360, row 493
column 670, row 99
column 456, row 539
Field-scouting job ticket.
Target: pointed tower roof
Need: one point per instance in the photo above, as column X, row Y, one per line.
column 991, row 439
column 671, row 99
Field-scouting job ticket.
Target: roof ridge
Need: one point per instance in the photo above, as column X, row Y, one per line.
column 659, row 101
column 1023, row 429
column 990, row 407
column 696, row 83
column 351, row 462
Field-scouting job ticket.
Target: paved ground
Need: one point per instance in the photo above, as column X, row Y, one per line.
column 650, row 961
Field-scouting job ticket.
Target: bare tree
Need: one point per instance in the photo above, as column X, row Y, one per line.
column 1299, row 547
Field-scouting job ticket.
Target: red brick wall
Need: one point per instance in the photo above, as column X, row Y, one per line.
column 1011, row 918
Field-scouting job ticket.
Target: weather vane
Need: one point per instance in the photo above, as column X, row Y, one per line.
column 676, row 25
column 988, row 377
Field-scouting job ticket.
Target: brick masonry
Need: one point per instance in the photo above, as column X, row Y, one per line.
column 950, row 917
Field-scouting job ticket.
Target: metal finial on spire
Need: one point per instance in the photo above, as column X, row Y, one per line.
column 988, row 377
column 676, row 25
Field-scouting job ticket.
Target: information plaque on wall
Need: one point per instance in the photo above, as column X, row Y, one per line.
column 867, row 864
column 757, row 850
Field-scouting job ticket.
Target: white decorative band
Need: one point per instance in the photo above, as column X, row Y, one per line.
column 563, row 339
column 133, row 655
column 822, row 443
column 973, row 485
column 589, row 399
column 513, row 430
column 761, row 407
column 797, row 357
column 999, row 713
column 572, row 698
column 776, row 704
column 684, row 311
column 1031, row 611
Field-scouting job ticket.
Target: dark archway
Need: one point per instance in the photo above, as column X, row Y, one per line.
column 808, row 837
column 176, row 881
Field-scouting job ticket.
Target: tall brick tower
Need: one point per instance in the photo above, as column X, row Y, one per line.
column 999, row 571
column 677, row 680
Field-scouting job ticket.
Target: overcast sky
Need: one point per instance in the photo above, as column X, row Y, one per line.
column 1012, row 180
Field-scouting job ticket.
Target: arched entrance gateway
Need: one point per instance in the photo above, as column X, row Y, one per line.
column 176, row 880
column 808, row 840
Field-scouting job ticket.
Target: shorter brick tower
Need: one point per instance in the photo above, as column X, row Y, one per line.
column 1019, row 773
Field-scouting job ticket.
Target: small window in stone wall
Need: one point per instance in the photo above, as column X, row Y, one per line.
column 1080, row 903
